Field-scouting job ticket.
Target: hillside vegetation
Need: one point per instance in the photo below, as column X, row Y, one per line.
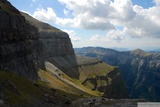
column 16, row 91
column 59, row 80
column 99, row 76
column 96, row 79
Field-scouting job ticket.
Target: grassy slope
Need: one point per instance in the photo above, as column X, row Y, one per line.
column 91, row 68
column 92, row 71
column 28, row 92
column 100, row 69
column 88, row 70
column 20, row 91
column 71, row 90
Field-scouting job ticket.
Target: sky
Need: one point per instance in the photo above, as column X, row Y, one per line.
column 128, row 24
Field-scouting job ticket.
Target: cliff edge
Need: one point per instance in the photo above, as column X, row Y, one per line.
column 57, row 45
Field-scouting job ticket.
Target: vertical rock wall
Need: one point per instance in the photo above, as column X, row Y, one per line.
column 19, row 43
column 57, row 45
column 58, row 50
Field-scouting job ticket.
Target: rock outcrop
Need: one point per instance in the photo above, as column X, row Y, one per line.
column 140, row 69
column 20, row 48
column 98, row 76
column 57, row 47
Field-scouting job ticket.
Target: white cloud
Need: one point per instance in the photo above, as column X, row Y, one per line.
column 66, row 12
column 111, row 36
column 50, row 16
column 45, row 15
column 115, row 35
column 73, row 35
column 95, row 38
column 90, row 14
column 123, row 10
column 157, row 2
column 65, row 22
column 145, row 24
column 94, row 24
column 106, row 15
column 33, row 0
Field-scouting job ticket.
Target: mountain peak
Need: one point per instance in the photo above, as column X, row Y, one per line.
column 139, row 52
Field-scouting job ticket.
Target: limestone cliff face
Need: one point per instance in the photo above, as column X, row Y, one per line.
column 26, row 43
column 19, row 43
column 58, row 49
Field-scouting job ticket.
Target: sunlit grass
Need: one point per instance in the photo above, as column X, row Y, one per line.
column 26, row 89
column 59, row 84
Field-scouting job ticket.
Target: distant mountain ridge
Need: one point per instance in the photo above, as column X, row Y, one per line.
column 140, row 69
column 154, row 51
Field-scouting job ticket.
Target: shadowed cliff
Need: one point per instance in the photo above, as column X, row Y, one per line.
column 26, row 44
column 57, row 47
column 20, row 47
